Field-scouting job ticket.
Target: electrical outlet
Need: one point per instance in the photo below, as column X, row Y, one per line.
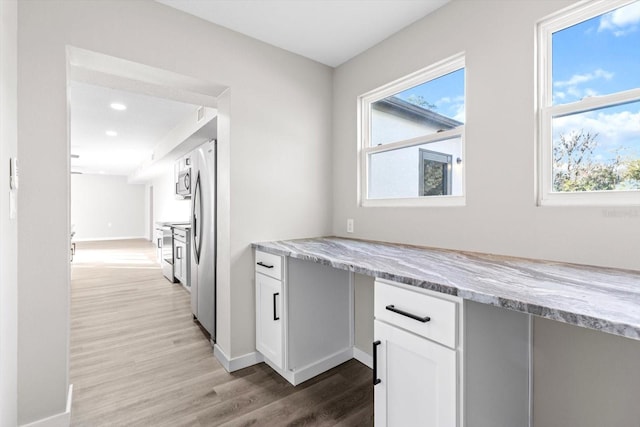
column 350, row 225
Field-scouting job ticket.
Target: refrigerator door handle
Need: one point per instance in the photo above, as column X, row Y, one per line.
column 194, row 224
column 197, row 233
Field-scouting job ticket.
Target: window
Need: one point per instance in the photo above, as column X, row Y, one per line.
column 412, row 139
column 589, row 105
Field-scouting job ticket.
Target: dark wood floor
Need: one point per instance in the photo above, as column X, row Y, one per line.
column 137, row 358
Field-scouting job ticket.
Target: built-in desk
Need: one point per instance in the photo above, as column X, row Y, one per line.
column 599, row 298
column 470, row 363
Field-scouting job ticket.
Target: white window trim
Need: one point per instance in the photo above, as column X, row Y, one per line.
column 546, row 111
column 432, row 72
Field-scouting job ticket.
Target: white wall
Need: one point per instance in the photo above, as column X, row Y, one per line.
column 106, row 207
column 584, row 378
column 500, row 215
column 165, row 205
column 363, row 327
column 149, row 217
column 279, row 110
column 8, row 226
column 43, row 225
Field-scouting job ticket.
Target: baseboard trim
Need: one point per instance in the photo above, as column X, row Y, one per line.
column 363, row 357
column 105, row 239
column 237, row 363
column 59, row 420
column 305, row 373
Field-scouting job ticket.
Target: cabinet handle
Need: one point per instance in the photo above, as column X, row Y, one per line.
column 275, row 298
column 261, row 264
column 179, row 252
column 159, row 243
column 424, row 319
column 376, row 380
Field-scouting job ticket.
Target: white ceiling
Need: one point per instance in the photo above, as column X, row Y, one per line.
column 140, row 127
column 327, row 31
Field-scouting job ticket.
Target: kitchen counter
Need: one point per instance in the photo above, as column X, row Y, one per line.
column 181, row 226
column 603, row 299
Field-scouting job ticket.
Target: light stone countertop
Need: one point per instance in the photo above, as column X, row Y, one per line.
column 604, row 299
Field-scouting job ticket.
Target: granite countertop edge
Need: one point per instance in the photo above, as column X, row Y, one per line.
column 569, row 290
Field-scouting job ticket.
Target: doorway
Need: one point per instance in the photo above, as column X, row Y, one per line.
column 114, row 211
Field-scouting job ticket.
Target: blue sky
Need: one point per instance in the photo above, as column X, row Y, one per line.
column 446, row 93
column 598, row 57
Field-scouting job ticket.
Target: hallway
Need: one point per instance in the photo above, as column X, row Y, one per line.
column 137, row 358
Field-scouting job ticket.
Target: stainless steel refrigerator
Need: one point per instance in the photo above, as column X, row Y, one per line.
column 203, row 236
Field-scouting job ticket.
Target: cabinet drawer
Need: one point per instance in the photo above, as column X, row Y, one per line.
column 269, row 264
column 442, row 325
column 179, row 234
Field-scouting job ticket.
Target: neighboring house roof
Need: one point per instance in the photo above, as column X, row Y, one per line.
column 411, row 111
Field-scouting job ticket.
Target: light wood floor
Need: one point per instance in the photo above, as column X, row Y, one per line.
column 138, row 359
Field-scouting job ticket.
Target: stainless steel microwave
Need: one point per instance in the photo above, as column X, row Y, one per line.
column 183, row 186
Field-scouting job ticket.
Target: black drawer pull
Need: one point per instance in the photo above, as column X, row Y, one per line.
column 424, row 319
column 275, row 299
column 261, row 264
column 376, row 380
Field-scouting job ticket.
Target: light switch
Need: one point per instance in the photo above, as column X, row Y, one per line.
column 350, row 225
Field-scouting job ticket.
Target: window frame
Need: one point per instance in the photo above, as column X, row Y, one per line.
column 365, row 150
column 546, row 111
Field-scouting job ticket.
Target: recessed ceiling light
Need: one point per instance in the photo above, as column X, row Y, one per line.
column 118, row 106
column 111, row 133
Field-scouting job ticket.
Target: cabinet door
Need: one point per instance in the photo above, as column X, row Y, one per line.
column 178, row 262
column 159, row 246
column 418, row 380
column 269, row 318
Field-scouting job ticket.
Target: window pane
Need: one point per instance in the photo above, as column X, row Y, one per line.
column 597, row 150
column 433, row 169
column 421, row 110
column 599, row 56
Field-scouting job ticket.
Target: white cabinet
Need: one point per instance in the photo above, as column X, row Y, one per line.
column 177, row 264
column 418, row 380
column 415, row 358
column 158, row 243
column 181, row 269
column 304, row 315
column 447, row 362
column 269, row 327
